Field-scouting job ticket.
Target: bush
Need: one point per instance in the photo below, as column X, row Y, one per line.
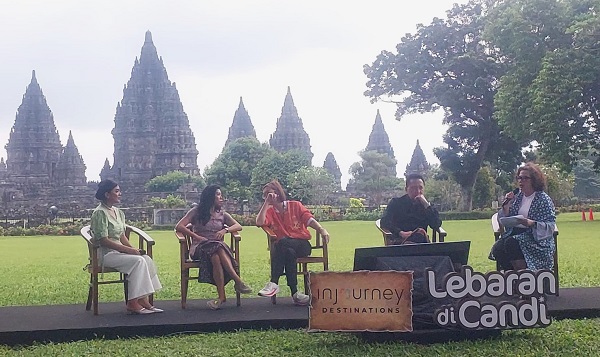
column 249, row 220
column 461, row 216
column 363, row 216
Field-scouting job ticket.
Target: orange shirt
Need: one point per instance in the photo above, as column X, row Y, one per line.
column 291, row 223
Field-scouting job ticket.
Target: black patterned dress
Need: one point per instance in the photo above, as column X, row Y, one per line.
column 205, row 250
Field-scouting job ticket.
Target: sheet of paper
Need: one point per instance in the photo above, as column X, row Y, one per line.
column 511, row 221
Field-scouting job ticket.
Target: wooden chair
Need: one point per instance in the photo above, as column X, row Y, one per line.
column 144, row 241
column 497, row 228
column 186, row 262
column 387, row 235
column 320, row 258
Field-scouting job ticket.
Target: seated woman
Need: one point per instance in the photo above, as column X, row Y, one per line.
column 528, row 245
column 108, row 228
column 209, row 224
column 288, row 220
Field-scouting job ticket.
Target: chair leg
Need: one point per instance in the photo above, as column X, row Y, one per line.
column 556, row 270
column 274, row 299
column 95, row 293
column 125, row 287
column 238, row 298
column 88, row 305
column 184, row 287
column 304, row 272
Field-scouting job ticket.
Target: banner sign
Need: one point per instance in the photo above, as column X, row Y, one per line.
column 495, row 300
column 361, row 301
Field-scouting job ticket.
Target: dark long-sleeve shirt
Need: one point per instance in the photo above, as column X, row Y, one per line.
column 404, row 214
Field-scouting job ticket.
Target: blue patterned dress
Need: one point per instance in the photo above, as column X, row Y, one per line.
column 537, row 243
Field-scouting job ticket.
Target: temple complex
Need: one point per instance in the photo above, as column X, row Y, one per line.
column 289, row 133
column 152, row 136
column 241, row 126
column 152, row 132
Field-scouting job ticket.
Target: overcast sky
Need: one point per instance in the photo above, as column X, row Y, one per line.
column 216, row 52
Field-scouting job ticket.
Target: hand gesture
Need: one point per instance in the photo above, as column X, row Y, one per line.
column 405, row 234
column 271, row 198
column 325, row 235
column 421, row 199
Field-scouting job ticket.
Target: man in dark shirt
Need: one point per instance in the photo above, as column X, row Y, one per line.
column 407, row 217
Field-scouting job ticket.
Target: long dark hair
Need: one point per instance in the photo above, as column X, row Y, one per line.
column 207, row 200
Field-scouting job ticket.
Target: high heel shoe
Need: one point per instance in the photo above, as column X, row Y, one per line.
column 142, row 311
column 243, row 288
column 215, row 304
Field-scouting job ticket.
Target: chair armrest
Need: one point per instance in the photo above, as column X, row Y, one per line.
column 269, row 231
column 143, row 235
column 144, row 240
column 497, row 235
column 384, row 231
column 180, row 237
column 442, row 234
column 271, row 236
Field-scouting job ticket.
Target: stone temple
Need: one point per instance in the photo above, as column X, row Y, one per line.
column 152, row 132
column 152, row 136
column 39, row 171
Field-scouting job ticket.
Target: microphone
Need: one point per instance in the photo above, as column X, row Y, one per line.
column 506, row 200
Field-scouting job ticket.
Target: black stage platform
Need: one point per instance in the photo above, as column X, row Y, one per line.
column 24, row 325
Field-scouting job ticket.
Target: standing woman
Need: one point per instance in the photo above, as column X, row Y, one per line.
column 108, row 228
column 530, row 244
column 209, row 224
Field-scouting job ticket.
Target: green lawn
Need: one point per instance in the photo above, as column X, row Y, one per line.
column 48, row 270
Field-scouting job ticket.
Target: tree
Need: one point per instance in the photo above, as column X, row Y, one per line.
column 449, row 65
column 373, row 177
column 232, row 169
column 171, row 201
column 442, row 190
column 484, row 191
column 551, row 91
column 279, row 166
column 587, row 182
column 311, row 185
column 560, row 183
column 445, row 193
column 172, row 180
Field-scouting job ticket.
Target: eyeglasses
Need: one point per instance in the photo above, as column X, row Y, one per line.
column 523, row 178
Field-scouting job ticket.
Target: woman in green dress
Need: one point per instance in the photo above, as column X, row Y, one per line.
column 108, row 228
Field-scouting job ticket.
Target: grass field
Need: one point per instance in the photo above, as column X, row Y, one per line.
column 48, row 270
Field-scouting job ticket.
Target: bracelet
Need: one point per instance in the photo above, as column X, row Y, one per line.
column 227, row 229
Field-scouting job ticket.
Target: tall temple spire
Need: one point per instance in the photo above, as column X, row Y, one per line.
column 379, row 140
column 241, row 126
column 70, row 169
column 289, row 133
column 330, row 164
column 418, row 163
column 33, row 147
column 152, row 132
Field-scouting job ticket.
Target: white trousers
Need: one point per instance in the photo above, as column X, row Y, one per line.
column 142, row 279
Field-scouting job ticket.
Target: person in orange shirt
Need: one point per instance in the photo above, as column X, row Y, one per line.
column 289, row 221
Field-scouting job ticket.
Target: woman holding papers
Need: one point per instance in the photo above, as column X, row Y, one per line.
column 528, row 219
